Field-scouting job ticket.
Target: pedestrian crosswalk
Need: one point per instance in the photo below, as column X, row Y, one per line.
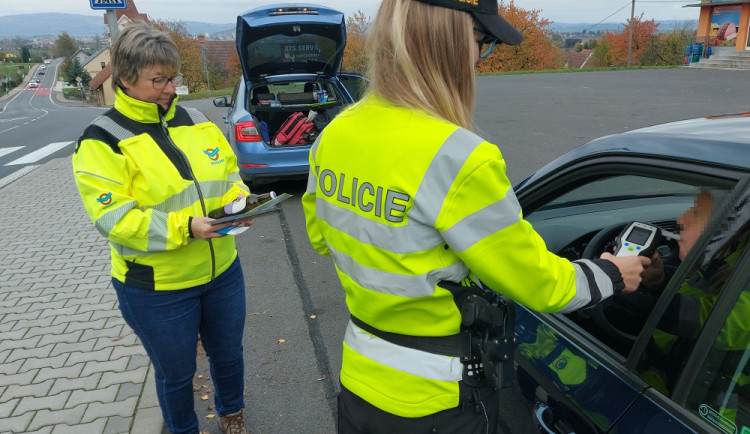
column 37, row 155
column 17, row 161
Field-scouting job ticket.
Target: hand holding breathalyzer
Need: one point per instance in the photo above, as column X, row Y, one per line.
column 638, row 239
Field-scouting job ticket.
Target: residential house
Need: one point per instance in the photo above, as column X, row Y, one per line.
column 101, row 81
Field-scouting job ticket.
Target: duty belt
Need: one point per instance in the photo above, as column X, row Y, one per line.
column 485, row 344
column 458, row 345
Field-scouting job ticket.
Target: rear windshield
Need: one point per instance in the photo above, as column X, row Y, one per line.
column 281, row 54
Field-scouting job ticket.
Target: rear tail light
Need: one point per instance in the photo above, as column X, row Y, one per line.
column 246, row 132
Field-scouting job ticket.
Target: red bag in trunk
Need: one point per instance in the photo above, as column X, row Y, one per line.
column 294, row 130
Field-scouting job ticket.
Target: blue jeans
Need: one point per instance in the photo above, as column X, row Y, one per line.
column 168, row 324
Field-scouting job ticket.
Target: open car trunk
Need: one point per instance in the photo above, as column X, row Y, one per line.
column 293, row 114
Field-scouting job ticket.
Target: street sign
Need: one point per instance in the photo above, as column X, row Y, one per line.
column 108, row 4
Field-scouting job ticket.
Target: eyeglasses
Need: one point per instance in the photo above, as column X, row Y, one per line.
column 161, row 82
column 486, row 40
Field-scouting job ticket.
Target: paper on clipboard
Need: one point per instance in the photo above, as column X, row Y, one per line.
column 262, row 209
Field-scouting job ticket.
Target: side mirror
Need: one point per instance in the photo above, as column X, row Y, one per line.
column 221, row 102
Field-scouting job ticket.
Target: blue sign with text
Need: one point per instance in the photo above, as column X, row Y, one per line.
column 108, row 4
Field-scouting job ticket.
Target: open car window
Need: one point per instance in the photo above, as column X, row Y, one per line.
column 708, row 308
column 584, row 221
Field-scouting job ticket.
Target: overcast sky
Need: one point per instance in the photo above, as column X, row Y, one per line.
column 225, row 11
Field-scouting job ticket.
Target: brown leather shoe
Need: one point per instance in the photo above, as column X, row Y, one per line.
column 233, row 423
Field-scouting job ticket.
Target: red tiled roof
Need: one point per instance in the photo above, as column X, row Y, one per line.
column 220, row 51
column 131, row 12
column 100, row 78
column 578, row 59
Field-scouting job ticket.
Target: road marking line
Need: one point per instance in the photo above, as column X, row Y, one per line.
column 17, row 174
column 39, row 153
column 6, row 151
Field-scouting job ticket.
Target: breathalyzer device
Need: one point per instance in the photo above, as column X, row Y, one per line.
column 638, row 239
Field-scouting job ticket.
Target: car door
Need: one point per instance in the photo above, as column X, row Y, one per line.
column 574, row 373
column 694, row 353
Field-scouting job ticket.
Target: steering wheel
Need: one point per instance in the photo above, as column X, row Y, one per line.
column 630, row 305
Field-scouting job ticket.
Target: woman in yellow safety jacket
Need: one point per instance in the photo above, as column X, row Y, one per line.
column 148, row 172
column 409, row 202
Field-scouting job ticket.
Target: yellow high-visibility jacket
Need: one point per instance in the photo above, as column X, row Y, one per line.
column 401, row 201
column 142, row 174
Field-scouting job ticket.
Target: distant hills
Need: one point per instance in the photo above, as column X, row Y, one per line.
column 53, row 24
column 664, row 26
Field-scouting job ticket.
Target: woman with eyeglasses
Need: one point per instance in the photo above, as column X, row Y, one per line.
column 416, row 210
column 148, row 172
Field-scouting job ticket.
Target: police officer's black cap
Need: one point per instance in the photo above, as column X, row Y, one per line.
column 486, row 13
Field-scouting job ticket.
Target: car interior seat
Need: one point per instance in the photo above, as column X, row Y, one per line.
column 261, row 93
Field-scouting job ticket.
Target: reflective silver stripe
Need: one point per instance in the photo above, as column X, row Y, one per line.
column 235, row 177
column 312, row 180
column 83, row 172
column 187, row 197
column 443, row 170
column 195, row 115
column 157, row 232
column 108, row 220
column 397, row 284
column 483, row 223
column 113, row 128
column 411, row 361
column 404, row 239
column 584, row 288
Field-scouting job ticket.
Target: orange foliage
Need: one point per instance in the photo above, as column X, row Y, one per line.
column 190, row 52
column 536, row 52
column 355, row 58
column 233, row 63
column 643, row 33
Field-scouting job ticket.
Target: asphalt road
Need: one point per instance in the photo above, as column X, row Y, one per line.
column 36, row 127
column 296, row 310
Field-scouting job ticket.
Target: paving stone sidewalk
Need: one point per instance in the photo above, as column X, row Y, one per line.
column 68, row 361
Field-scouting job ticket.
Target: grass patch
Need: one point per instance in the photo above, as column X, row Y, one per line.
column 574, row 70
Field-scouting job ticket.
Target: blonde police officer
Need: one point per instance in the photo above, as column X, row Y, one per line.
column 405, row 197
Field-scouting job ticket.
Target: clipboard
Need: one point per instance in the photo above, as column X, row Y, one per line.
column 262, row 209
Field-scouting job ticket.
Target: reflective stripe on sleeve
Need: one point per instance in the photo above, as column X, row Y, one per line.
column 592, row 285
column 483, row 223
column 108, row 220
column 411, row 361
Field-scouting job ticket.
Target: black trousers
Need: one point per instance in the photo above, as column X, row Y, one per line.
column 357, row 416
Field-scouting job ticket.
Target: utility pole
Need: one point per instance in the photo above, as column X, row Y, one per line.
column 205, row 65
column 630, row 32
column 112, row 22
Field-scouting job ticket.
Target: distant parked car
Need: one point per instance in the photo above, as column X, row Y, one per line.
column 670, row 359
column 290, row 56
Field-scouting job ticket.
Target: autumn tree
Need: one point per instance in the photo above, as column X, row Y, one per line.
column 617, row 43
column 537, row 51
column 190, row 52
column 668, row 48
column 355, row 58
column 65, row 46
column 223, row 73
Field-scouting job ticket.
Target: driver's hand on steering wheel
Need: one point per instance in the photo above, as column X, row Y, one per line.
column 631, row 268
column 653, row 277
